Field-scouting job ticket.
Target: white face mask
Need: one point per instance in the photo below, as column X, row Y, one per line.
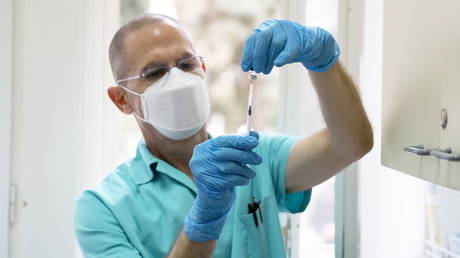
column 177, row 105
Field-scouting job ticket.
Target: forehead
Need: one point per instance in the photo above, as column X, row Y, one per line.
column 159, row 42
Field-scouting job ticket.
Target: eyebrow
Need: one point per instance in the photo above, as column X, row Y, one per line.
column 156, row 64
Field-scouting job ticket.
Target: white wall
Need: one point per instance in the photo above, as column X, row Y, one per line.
column 391, row 204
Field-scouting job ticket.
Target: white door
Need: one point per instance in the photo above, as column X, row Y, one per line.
column 6, row 47
column 45, row 128
column 60, row 63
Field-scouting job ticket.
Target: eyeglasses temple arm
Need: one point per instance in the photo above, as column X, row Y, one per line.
column 128, row 79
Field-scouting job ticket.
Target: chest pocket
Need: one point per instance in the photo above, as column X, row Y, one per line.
column 264, row 240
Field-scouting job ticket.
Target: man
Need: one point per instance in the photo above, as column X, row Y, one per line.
column 186, row 194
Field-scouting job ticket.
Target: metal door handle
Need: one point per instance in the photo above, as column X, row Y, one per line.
column 418, row 149
column 445, row 154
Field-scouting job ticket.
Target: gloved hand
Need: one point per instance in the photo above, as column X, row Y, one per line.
column 218, row 165
column 280, row 42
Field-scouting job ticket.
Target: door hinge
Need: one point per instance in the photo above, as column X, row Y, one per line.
column 12, row 206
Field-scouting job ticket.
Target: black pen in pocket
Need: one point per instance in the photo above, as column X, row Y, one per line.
column 252, row 208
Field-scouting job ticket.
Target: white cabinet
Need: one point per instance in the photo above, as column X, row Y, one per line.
column 420, row 77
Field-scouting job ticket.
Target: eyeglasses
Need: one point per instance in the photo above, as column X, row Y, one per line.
column 154, row 74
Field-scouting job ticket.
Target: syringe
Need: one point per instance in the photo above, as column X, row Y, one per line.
column 252, row 77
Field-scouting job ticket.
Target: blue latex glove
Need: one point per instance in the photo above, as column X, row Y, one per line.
column 218, row 165
column 280, row 42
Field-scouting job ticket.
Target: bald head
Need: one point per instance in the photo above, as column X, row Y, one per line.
column 119, row 47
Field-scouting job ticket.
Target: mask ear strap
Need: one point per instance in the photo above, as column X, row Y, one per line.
column 132, row 92
column 140, row 118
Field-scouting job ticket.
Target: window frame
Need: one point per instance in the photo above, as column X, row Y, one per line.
column 346, row 183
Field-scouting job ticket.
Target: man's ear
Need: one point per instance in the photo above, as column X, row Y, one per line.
column 119, row 98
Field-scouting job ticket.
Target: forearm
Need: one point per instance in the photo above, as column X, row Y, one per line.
column 186, row 248
column 346, row 120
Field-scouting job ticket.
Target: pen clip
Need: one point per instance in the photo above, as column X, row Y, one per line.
column 252, row 208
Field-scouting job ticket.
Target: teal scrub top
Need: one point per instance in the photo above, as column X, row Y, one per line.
column 139, row 209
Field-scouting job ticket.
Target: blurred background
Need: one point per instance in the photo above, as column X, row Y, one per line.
column 61, row 133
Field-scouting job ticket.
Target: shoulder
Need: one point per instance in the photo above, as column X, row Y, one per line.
column 275, row 142
column 115, row 188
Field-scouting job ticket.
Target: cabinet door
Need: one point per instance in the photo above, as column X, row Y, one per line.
column 420, row 49
column 449, row 174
